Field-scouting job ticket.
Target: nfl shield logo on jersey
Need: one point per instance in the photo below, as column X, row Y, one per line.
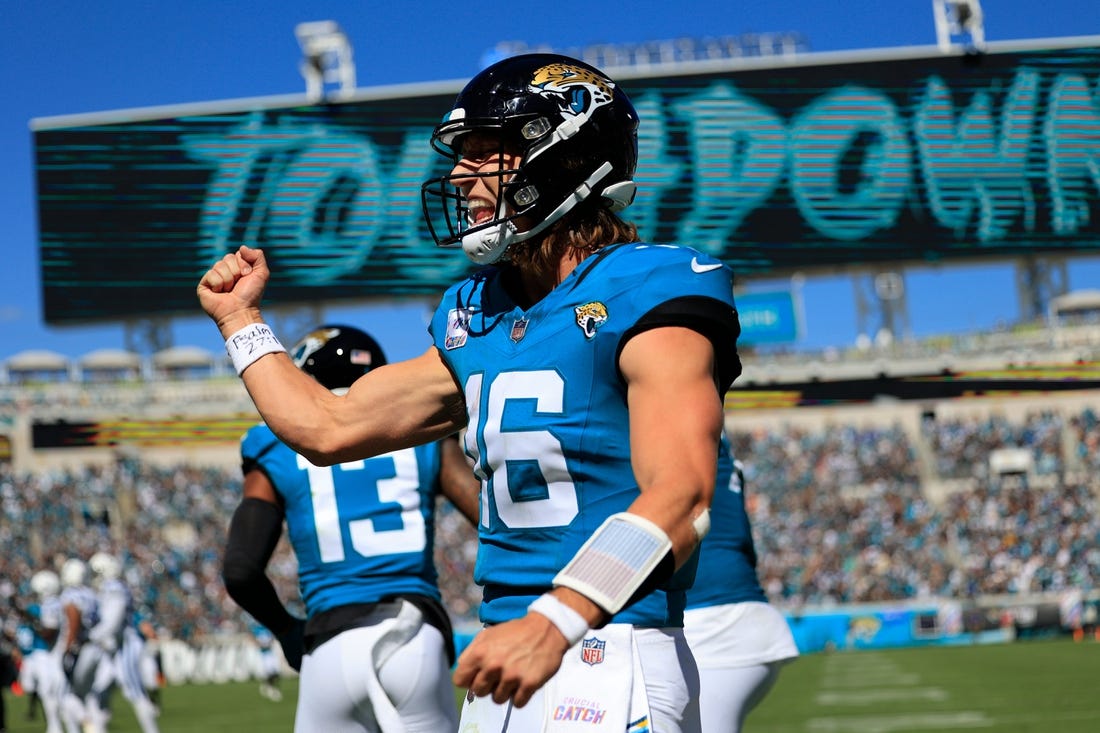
column 592, row 650
column 519, row 329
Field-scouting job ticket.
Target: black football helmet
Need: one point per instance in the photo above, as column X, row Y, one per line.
column 575, row 130
column 337, row 355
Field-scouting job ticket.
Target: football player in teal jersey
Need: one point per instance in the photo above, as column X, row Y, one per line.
column 376, row 645
column 588, row 369
column 739, row 640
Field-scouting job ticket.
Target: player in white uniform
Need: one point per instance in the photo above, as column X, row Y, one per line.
column 120, row 648
column 271, row 661
column 80, row 659
column 41, row 673
column 375, row 648
column 739, row 641
column 588, row 369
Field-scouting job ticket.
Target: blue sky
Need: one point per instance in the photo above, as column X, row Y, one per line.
column 60, row 58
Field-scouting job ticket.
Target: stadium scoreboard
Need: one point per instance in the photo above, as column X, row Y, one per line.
column 814, row 163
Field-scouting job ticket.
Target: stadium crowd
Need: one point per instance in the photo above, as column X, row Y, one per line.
column 839, row 516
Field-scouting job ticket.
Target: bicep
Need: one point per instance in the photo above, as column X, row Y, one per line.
column 675, row 423
column 257, row 485
column 396, row 406
column 675, row 409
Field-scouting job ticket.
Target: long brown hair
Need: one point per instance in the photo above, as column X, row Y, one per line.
column 579, row 233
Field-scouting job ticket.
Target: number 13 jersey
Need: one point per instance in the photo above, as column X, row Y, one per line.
column 363, row 530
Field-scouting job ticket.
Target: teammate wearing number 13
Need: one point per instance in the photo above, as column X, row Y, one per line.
column 588, row 369
column 376, row 645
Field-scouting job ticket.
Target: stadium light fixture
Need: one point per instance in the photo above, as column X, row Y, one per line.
column 959, row 18
column 326, row 59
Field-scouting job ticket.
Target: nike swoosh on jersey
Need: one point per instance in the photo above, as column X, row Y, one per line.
column 696, row 267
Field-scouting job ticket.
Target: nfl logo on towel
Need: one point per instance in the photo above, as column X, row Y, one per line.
column 592, row 650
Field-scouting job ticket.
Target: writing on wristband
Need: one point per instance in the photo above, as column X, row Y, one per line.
column 250, row 343
column 570, row 623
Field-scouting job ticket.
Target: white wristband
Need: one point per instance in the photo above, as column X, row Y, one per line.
column 570, row 623
column 250, row 343
column 616, row 560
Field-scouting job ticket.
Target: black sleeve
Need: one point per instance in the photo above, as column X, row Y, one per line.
column 253, row 533
column 712, row 318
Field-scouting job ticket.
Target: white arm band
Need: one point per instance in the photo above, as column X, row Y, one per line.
column 250, row 343
column 615, row 561
column 701, row 524
column 570, row 623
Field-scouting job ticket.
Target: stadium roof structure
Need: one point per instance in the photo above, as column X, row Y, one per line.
column 102, row 364
column 183, row 357
column 110, row 359
column 1077, row 300
column 38, row 360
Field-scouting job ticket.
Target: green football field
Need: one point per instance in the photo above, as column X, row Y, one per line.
column 1048, row 686
column 1027, row 687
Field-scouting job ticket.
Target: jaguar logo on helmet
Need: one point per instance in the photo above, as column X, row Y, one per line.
column 337, row 355
column 580, row 90
column 311, row 344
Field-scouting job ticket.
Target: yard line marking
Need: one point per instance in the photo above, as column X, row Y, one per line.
column 866, row 671
column 905, row 679
column 909, row 722
column 875, row 696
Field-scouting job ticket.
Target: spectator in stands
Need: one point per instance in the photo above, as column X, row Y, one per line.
column 376, row 645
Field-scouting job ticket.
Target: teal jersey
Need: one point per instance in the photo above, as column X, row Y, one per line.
column 548, row 426
column 727, row 556
column 27, row 636
column 362, row 531
column 263, row 636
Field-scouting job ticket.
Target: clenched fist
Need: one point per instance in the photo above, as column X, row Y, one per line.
column 231, row 290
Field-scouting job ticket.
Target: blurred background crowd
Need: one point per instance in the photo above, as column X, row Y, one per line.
column 841, row 515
